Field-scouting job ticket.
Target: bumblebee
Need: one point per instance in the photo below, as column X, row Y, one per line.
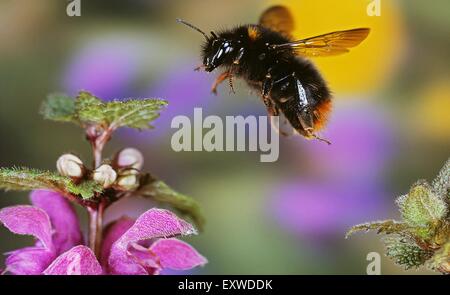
column 276, row 65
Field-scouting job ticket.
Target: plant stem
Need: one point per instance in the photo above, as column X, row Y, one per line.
column 97, row 210
column 96, row 226
column 93, row 228
column 99, row 232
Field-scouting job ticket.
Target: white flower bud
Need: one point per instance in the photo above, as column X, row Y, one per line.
column 129, row 157
column 70, row 165
column 128, row 179
column 105, row 175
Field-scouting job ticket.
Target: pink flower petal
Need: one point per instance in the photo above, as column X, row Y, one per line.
column 63, row 218
column 79, row 260
column 111, row 234
column 28, row 220
column 29, row 261
column 146, row 258
column 155, row 223
column 176, row 254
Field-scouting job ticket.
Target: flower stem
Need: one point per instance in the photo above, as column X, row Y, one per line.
column 96, row 226
column 93, row 228
column 97, row 210
column 99, row 229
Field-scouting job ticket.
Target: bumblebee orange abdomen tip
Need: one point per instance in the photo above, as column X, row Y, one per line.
column 322, row 112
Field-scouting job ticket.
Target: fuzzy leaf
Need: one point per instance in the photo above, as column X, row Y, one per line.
column 31, row 179
column 85, row 189
column 87, row 109
column 382, row 227
column 59, row 107
column 133, row 113
column 421, row 205
column 405, row 252
column 162, row 193
column 441, row 184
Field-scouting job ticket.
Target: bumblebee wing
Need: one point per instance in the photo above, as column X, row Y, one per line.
column 330, row 44
column 278, row 18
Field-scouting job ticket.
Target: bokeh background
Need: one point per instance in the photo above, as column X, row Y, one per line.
column 390, row 124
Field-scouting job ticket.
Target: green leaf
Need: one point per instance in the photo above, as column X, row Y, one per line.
column 406, row 252
column 87, row 109
column 421, row 205
column 31, row 179
column 441, row 183
column 86, row 189
column 133, row 113
column 162, row 193
column 382, row 227
column 58, row 107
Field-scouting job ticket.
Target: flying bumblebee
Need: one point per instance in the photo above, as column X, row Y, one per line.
column 267, row 57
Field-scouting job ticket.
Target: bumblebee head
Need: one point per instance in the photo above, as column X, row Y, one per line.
column 216, row 50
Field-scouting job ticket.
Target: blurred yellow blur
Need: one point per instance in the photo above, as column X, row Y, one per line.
column 368, row 66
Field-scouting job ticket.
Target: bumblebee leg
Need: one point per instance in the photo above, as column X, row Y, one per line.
column 321, row 139
column 267, row 86
column 271, row 108
column 230, row 81
column 222, row 77
column 200, row 67
column 239, row 57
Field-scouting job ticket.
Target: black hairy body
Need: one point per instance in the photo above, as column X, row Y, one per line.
column 276, row 66
column 287, row 82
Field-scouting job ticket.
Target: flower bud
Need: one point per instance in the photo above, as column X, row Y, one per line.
column 105, row 175
column 128, row 179
column 70, row 165
column 129, row 158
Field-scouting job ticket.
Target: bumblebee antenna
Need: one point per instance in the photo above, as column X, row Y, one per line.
column 192, row 27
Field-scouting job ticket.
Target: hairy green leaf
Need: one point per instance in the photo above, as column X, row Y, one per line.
column 421, row 205
column 406, row 252
column 382, row 227
column 441, row 184
column 59, row 107
column 425, row 229
column 162, row 193
column 86, row 189
column 87, row 109
column 30, row 179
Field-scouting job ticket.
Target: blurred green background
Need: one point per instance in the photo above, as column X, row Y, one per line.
column 390, row 124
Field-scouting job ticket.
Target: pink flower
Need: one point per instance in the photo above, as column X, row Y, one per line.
column 52, row 221
column 144, row 246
